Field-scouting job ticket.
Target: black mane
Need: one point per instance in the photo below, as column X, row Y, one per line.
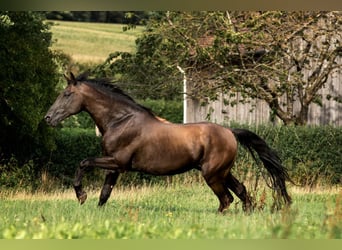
column 110, row 88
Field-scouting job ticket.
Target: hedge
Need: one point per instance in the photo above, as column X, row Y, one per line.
column 73, row 146
column 169, row 110
column 311, row 154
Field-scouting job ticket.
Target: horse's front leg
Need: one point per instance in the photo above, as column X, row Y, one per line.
column 101, row 162
column 110, row 181
column 80, row 194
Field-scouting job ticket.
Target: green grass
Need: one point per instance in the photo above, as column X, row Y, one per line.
column 92, row 42
column 174, row 212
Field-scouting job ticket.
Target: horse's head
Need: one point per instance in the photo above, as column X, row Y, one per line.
column 68, row 103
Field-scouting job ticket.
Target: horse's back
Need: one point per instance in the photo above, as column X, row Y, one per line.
column 210, row 136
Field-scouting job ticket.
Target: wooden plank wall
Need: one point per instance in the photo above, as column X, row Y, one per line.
column 258, row 112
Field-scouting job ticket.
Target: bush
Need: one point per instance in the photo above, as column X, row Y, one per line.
column 73, row 146
column 14, row 175
column 169, row 110
column 28, row 74
column 311, row 154
column 82, row 120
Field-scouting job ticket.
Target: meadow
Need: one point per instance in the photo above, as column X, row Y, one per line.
column 167, row 212
column 92, row 42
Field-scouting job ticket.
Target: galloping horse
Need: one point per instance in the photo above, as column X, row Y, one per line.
column 135, row 140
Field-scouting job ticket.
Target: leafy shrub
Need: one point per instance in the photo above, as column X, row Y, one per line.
column 73, row 145
column 14, row 175
column 81, row 120
column 311, row 154
column 169, row 110
column 28, row 76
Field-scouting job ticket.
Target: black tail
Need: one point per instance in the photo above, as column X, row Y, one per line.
column 269, row 158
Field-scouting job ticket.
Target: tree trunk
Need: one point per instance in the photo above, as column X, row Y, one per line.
column 303, row 115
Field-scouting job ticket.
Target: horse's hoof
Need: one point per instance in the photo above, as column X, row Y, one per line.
column 82, row 198
column 247, row 209
column 101, row 204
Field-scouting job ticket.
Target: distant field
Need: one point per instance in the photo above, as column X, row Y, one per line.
column 173, row 212
column 92, row 42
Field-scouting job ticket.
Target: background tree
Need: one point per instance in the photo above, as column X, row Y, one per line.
column 27, row 84
column 149, row 72
column 300, row 50
column 124, row 17
column 283, row 58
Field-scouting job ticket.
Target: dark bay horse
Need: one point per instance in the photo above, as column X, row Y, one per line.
column 135, row 140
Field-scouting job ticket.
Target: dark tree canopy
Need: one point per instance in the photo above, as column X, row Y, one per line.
column 27, row 83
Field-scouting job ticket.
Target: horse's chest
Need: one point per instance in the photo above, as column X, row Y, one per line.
column 115, row 141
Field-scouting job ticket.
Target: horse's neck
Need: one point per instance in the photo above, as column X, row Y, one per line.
column 106, row 113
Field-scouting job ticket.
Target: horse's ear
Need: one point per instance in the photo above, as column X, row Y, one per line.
column 71, row 79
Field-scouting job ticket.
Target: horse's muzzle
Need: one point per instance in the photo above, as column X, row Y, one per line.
column 47, row 118
column 49, row 121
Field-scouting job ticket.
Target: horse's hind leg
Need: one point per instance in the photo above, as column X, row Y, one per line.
column 240, row 190
column 217, row 184
column 110, row 181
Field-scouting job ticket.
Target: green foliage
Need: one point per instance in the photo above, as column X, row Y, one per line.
column 146, row 76
column 27, row 84
column 131, row 18
column 15, row 175
column 148, row 73
column 81, row 120
column 311, row 154
column 314, row 152
column 167, row 109
column 73, row 146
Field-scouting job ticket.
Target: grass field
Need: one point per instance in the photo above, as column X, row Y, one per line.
column 92, row 42
column 174, row 212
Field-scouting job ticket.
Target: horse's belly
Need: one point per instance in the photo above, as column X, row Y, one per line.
column 162, row 169
column 167, row 163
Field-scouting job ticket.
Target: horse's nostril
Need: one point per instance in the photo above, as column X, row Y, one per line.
column 47, row 118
